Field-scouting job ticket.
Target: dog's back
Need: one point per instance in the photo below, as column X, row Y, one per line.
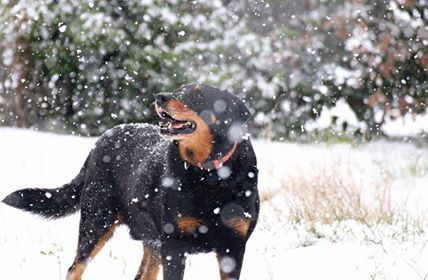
column 121, row 156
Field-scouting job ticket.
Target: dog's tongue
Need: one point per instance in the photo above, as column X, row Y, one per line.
column 177, row 125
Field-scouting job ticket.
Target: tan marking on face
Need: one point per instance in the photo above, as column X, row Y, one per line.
column 199, row 142
column 150, row 265
column 76, row 272
column 197, row 88
column 189, row 224
column 240, row 225
column 213, row 118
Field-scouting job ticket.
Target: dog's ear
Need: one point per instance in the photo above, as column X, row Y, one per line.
column 242, row 112
column 237, row 127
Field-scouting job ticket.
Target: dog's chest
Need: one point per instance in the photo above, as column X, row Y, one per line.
column 201, row 194
column 207, row 200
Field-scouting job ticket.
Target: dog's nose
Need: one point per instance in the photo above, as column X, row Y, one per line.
column 162, row 97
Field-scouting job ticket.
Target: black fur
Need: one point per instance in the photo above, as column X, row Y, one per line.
column 50, row 203
column 136, row 177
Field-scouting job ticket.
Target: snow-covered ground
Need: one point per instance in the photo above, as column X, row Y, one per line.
column 282, row 247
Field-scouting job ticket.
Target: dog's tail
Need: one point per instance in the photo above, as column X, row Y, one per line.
column 50, row 203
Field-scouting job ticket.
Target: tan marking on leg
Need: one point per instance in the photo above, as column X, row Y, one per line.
column 189, row 224
column 102, row 241
column 213, row 118
column 150, row 264
column 119, row 219
column 223, row 275
column 240, row 225
column 76, row 272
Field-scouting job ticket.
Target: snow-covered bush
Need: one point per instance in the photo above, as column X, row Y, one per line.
column 373, row 55
column 87, row 65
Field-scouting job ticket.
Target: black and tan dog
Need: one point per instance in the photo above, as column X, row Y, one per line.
column 192, row 193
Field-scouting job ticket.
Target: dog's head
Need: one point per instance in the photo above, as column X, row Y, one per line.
column 201, row 118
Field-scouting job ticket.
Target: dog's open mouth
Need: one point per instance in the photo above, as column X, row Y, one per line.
column 169, row 125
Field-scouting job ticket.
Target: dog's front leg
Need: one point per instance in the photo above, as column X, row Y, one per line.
column 230, row 260
column 173, row 262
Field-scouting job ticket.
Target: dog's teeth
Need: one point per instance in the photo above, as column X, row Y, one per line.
column 169, row 125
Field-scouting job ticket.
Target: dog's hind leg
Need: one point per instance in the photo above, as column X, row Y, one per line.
column 99, row 217
column 150, row 264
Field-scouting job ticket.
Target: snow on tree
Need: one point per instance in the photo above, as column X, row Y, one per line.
column 86, row 66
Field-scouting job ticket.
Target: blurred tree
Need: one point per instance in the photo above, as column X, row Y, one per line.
column 385, row 43
column 86, row 66
column 373, row 55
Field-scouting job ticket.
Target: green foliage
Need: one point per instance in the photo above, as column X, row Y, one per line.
column 86, row 66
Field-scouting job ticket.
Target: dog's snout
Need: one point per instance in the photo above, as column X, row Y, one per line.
column 162, row 97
